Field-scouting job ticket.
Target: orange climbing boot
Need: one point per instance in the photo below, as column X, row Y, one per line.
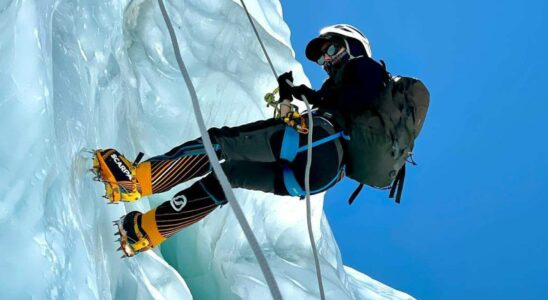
column 138, row 233
column 118, row 175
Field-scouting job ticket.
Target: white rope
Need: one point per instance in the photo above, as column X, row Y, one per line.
column 308, row 161
column 260, row 40
column 308, row 204
column 265, row 268
column 307, row 191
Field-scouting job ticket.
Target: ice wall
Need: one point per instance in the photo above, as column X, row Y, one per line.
column 78, row 75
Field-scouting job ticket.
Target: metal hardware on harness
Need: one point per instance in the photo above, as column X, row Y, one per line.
column 297, row 121
column 270, row 99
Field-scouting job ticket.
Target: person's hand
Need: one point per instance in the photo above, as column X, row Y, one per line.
column 303, row 90
column 284, row 87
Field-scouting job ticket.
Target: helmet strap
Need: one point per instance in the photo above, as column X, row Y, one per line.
column 347, row 46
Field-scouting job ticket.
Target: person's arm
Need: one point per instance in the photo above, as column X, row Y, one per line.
column 312, row 96
column 285, row 107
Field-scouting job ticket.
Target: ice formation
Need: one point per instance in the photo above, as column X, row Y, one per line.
column 84, row 74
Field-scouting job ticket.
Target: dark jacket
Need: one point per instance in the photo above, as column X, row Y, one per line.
column 354, row 87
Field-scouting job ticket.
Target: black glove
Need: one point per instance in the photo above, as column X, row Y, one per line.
column 302, row 90
column 284, row 87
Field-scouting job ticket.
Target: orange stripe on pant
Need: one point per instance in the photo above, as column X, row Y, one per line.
column 144, row 178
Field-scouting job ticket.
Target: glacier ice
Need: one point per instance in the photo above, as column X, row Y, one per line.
column 82, row 74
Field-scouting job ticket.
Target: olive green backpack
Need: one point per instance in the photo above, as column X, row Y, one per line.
column 382, row 140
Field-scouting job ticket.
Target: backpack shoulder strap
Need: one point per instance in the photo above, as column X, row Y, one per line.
column 387, row 74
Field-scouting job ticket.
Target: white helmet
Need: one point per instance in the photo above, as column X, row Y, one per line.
column 342, row 30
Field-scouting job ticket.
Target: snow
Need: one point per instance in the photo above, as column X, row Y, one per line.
column 79, row 75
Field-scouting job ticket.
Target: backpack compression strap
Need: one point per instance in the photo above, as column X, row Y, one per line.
column 398, row 184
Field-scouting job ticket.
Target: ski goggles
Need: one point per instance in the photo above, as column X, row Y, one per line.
column 331, row 50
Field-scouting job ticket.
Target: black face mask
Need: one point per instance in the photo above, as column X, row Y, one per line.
column 337, row 62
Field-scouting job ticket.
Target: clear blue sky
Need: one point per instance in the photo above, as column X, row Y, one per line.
column 473, row 219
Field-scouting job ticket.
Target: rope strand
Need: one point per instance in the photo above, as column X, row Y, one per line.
column 260, row 40
column 308, row 161
column 265, row 268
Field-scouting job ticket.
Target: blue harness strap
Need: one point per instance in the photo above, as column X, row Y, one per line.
column 291, row 184
column 290, row 144
column 325, row 140
column 290, row 149
column 294, row 188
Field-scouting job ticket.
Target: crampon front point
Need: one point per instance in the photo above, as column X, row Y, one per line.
column 133, row 239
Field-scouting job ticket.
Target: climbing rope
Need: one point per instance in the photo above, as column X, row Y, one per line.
column 260, row 40
column 308, row 160
column 265, row 268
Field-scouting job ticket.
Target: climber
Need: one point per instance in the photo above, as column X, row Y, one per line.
column 269, row 155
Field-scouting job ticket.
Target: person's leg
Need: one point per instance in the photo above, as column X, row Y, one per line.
column 126, row 182
column 195, row 203
column 186, row 208
column 184, row 162
column 258, row 142
column 255, row 142
column 140, row 232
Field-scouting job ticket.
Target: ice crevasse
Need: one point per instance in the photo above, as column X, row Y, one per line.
column 84, row 74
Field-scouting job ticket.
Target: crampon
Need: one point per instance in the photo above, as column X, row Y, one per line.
column 133, row 239
column 118, row 175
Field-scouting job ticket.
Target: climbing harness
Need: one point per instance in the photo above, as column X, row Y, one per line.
column 290, row 149
column 308, row 162
column 221, row 176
